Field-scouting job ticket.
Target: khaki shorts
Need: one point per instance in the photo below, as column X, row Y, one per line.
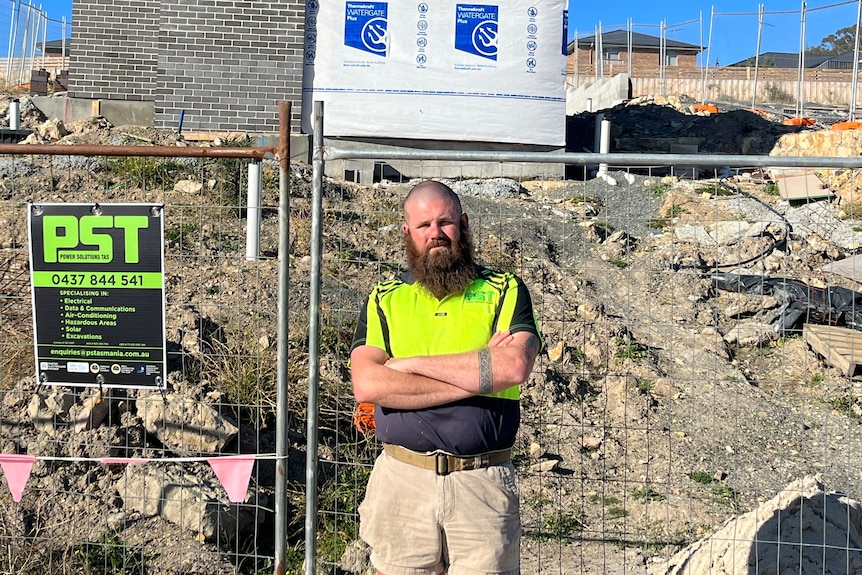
column 421, row 523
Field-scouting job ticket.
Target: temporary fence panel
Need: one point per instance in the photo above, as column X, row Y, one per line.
column 25, row 30
column 694, row 366
column 678, row 399
column 184, row 480
column 780, row 42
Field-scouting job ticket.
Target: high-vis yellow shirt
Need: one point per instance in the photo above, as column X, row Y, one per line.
column 405, row 320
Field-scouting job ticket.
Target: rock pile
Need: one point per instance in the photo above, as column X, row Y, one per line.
column 803, row 529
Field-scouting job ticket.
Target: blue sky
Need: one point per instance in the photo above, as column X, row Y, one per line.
column 734, row 35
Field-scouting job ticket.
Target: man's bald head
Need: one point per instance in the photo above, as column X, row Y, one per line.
column 431, row 190
column 437, row 239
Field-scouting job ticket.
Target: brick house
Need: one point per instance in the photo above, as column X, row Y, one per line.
column 224, row 63
column 645, row 53
column 783, row 60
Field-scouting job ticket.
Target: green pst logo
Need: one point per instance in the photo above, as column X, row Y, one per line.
column 61, row 235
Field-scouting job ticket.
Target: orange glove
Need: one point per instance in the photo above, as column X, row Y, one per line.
column 363, row 418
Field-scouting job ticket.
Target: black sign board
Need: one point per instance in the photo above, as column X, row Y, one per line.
column 97, row 273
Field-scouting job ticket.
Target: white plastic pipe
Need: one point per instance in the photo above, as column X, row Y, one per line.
column 252, row 232
column 604, row 148
column 14, row 115
column 597, row 142
column 604, row 142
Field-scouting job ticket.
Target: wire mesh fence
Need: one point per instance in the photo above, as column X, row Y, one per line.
column 682, row 418
column 131, row 480
column 698, row 359
column 788, row 60
column 32, row 40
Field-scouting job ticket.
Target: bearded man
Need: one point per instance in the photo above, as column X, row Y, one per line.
column 441, row 352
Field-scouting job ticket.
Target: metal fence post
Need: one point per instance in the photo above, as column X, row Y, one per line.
column 313, row 343
column 281, row 415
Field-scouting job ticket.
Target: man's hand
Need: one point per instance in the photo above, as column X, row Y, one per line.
column 501, row 339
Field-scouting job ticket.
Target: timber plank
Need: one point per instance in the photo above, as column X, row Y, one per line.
column 840, row 346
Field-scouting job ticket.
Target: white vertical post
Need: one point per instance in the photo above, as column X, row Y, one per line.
column 14, row 115
column 605, row 148
column 252, row 232
column 855, row 82
column 37, row 23
column 600, row 57
column 24, row 43
column 604, row 142
column 757, row 54
column 44, row 39
column 63, row 46
column 577, row 63
column 630, row 46
column 13, row 34
column 800, row 79
column 708, row 48
column 597, row 141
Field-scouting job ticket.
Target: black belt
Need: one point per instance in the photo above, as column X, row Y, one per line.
column 444, row 463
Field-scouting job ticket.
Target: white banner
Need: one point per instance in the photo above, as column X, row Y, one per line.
column 438, row 69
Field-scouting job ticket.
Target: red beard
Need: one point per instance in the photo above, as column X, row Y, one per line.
column 446, row 271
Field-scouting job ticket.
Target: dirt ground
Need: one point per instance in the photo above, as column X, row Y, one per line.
column 644, row 427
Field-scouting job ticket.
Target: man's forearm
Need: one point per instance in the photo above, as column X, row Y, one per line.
column 398, row 390
column 465, row 370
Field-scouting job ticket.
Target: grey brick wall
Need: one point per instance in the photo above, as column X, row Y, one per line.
column 114, row 49
column 224, row 63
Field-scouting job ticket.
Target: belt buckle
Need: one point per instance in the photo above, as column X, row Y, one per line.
column 441, row 464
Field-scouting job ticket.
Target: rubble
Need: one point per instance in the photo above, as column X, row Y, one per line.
column 186, row 499
column 184, row 425
column 803, row 529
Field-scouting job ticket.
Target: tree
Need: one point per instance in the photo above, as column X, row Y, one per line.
column 764, row 62
column 836, row 43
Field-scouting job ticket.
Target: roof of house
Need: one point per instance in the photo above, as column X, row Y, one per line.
column 55, row 47
column 620, row 39
column 791, row 60
column 845, row 57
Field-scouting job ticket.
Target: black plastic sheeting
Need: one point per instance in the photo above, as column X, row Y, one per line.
column 799, row 302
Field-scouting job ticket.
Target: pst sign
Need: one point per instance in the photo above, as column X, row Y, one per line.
column 97, row 273
column 76, row 239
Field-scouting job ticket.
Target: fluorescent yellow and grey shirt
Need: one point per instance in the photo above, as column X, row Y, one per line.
column 404, row 320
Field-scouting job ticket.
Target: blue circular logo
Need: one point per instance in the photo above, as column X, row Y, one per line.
column 485, row 38
column 375, row 36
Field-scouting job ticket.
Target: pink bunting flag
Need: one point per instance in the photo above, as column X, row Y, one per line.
column 17, row 469
column 234, row 474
